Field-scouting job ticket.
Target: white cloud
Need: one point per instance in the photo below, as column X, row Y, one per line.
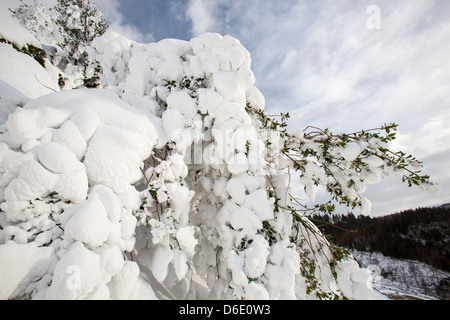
column 201, row 13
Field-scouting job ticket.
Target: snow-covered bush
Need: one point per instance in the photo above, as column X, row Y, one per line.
column 66, row 30
column 172, row 181
column 80, row 22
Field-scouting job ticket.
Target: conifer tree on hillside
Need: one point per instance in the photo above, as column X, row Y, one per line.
column 67, row 30
column 81, row 22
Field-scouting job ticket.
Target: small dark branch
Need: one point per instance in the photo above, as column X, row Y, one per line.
column 35, row 75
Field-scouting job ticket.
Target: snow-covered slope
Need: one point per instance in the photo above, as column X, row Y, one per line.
column 22, row 78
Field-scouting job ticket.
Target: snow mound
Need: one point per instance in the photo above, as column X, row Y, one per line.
column 52, row 151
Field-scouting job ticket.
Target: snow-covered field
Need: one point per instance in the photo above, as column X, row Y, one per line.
column 100, row 199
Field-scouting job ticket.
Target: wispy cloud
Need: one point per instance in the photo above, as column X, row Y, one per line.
column 202, row 16
column 322, row 61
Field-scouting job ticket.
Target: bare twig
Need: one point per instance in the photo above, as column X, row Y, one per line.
column 35, row 75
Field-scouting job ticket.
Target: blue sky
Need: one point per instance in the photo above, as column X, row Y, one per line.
column 345, row 65
column 157, row 19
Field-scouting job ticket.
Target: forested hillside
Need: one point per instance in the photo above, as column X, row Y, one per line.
column 422, row 234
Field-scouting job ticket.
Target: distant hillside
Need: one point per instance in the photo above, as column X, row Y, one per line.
column 422, row 234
